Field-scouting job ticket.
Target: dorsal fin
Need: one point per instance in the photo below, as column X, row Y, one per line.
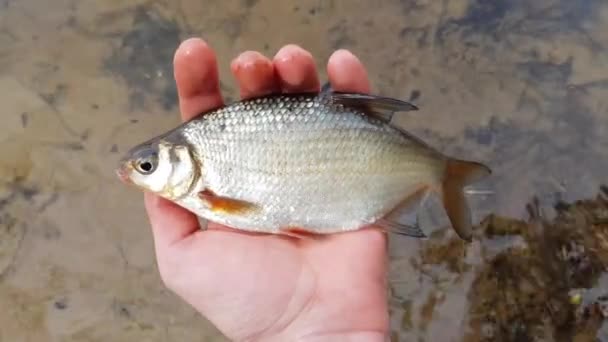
column 381, row 107
column 326, row 88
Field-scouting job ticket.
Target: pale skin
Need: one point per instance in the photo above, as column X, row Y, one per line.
column 264, row 287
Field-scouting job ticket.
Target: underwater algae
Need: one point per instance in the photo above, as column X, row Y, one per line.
column 534, row 279
column 550, row 283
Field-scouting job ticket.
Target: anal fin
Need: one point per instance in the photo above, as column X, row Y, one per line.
column 400, row 228
column 390, row 222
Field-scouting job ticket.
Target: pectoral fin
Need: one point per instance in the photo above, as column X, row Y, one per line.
column 225, row 204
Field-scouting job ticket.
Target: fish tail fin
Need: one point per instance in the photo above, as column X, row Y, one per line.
column 458, row 174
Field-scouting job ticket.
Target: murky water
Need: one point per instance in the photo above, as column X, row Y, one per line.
column 519, row 84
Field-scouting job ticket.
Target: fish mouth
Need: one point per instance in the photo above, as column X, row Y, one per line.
column 123, row 172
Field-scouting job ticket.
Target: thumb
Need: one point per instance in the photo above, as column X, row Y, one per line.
column 170, row 222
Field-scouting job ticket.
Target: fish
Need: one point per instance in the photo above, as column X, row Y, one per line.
column 302, row 164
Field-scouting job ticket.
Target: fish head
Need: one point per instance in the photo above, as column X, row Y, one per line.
column 164, row 168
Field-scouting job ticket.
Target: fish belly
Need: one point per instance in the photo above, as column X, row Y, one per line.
column 319, row 170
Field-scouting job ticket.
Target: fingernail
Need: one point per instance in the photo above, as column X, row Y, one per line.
column 342, row 54
column 254, row 71
column 248, row 59
column 187, row 45
column 289, row 52
column 292, row 75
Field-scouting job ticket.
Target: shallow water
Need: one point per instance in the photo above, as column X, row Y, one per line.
column 520, row 85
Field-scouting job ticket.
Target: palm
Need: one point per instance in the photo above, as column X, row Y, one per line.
column 228, row 275
column 253, row 286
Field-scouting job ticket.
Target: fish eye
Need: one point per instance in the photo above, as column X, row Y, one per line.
column 146, row 165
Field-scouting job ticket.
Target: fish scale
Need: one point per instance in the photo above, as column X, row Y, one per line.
column 322, row 163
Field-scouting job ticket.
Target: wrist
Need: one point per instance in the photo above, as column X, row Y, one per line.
column 356, row 336
column 350, row 336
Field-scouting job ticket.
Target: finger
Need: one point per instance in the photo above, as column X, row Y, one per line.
column 296, row 70
column 254, row 74
column 196, row 76
column 347, row 73
column 170, row 223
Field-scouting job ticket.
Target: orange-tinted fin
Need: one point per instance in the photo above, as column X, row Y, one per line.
column 226, row 204
column 298, row 233
column 458, row 174
column 381, row 107
column 400, row 228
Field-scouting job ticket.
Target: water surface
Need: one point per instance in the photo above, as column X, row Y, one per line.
column 520, row 85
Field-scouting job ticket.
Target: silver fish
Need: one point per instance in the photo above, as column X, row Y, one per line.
column 297, row 164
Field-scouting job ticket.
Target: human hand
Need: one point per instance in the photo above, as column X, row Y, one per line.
column 265, row 287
